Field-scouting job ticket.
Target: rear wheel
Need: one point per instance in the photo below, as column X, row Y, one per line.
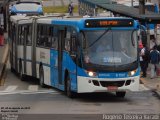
column 41, row 77
column 21, row 71
column 120, row 94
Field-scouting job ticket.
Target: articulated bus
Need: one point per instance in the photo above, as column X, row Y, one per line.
column 77, row 55
column 26, row 7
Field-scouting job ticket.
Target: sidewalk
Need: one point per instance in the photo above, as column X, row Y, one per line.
column 1, row 55
column 152, row 84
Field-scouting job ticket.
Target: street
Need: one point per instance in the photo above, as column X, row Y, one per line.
column 27, row 97
column 60, row 60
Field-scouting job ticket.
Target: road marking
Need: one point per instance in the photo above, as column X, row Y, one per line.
column 11, row 88
column 28, row 92
column 143, row 88
column 33, row 87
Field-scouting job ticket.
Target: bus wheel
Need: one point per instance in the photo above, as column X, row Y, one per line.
column 68, row 87
column 21, row 71
column 120, row 94
column 41, row 77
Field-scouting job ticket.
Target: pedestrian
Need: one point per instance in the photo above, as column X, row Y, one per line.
column 70, row 9
column 152, row 41
column 158, row 47
column 154, row 59
column 144, row 60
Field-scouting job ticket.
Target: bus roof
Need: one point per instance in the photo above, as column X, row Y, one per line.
column 45, row 19
column 96, row 23
column 21, row 19
column 79, row 22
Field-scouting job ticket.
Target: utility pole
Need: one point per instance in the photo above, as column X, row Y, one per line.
column 132, row 3
column 142, row 12
column 142, row 7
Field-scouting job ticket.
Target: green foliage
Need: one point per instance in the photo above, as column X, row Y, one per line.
column 58, row 9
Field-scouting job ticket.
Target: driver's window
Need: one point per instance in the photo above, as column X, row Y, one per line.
column 73, row 40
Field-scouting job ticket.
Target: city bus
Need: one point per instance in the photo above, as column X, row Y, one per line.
column 26, row 7
column 66, row 53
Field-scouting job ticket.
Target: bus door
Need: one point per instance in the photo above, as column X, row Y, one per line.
column 60, row 55
column 24, row 49
column 14, row 48
column 28, row 50
column 56, row 58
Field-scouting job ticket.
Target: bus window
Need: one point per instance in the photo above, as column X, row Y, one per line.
column 67, row 39
column 54, row 40
column 21, row 35
column 41, row 35
column 50, row 36
column 29, row 36
column 38, row 35
column 73, row 41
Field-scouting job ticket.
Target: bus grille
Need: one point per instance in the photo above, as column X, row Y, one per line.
column 112, row 83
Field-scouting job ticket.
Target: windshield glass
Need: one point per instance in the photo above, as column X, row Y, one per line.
column 110, row 47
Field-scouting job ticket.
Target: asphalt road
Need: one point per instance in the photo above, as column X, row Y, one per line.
column 28, row 100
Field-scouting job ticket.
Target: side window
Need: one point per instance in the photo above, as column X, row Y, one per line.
column 73, row 41
column 67, row 39
column 55, row 38
column 21, row 35
column 70, row 40
column 41, row 35
column 49, row 36
column 45, row 36
column 38, row 35
column 29, row 35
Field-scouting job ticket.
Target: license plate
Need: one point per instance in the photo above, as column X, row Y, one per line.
column 112, row 88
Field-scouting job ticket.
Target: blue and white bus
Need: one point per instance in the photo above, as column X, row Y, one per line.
column 27, row 8
column 66, row 53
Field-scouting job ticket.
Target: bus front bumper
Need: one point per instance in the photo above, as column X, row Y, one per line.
column 89, row 85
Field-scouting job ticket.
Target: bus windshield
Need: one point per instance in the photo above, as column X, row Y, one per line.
column 111, row 48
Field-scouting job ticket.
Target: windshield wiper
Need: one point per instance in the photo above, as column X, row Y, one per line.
column 99, row 38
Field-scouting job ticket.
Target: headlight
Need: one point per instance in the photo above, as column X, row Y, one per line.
column 132, row 73
column 91, row 74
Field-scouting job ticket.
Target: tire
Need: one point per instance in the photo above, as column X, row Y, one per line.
column 120, row 94
column 41, row 77
column 21, row 75
column 69, row 93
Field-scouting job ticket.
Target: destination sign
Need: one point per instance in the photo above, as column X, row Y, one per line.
column 108, row 23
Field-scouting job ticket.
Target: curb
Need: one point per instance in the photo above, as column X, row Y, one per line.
column 155, row 91
column 4, row 64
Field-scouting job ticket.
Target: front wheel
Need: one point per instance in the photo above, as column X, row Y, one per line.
column 120, row 94
column 69, row 93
